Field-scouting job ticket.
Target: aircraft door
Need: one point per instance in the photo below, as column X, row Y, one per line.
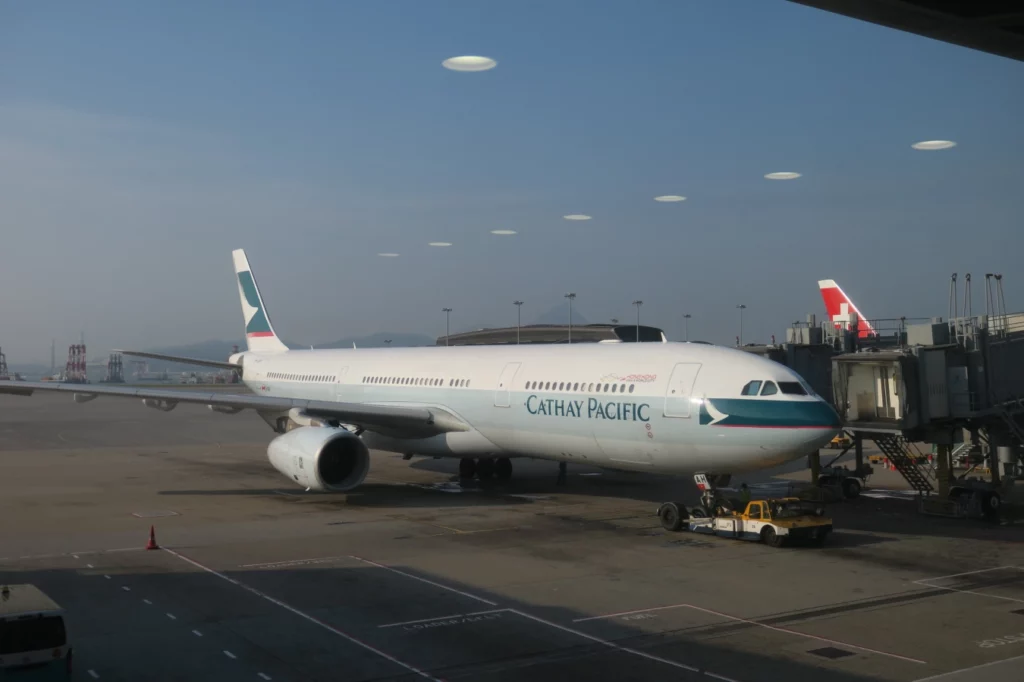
column 680, row 386
column 502, row 395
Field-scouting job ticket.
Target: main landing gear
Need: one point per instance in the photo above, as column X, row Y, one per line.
column 674, row 514
column 485, row 468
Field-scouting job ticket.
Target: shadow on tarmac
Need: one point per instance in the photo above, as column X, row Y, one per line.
column 127, row 633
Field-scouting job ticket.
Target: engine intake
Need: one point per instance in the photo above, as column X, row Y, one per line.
column 321, row 458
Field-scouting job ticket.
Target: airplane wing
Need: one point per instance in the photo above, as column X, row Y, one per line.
column 398, row 420
column 176, row 358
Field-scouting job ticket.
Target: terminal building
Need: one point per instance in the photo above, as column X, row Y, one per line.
column 556, row 333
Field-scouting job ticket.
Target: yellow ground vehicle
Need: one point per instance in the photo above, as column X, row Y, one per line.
column 777, row 522
column 840, row 441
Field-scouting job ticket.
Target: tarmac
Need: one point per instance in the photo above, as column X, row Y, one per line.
column 413, row 576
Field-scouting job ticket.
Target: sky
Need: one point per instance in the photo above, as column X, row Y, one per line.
column 140, row 142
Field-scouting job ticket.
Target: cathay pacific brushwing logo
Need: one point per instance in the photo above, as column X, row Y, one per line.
column 256, row 323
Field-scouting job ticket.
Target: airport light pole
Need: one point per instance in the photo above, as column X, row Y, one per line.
column 447, row 323
column 638, row 303
column 741, row 308
column 571, row 297
column 519, row 318
column 686, row 326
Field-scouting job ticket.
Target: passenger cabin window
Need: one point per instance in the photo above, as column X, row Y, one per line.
column 792, row 388
column 769, row 388
column 752, row 388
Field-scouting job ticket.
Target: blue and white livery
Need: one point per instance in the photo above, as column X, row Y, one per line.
column 672, row 408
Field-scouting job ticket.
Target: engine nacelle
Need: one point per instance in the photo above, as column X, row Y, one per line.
column 321, row 458
column 224, row 409
column 160, row 404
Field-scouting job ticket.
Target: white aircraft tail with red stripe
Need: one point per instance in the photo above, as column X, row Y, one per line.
column 839, row 307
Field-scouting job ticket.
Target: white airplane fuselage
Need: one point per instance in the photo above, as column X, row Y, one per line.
column 675, row 408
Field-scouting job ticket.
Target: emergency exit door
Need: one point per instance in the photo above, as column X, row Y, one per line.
column 502, row 396
column 680, row 387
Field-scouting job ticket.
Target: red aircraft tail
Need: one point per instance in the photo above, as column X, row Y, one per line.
column 838, row 306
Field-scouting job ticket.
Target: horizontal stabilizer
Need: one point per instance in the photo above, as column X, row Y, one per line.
column 222, row 364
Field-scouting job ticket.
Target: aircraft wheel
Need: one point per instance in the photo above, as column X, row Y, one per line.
column 503, row 468
column 467, row 468
column 670, row 516
column 851, row 488
column 484, row 469
column 991, row 503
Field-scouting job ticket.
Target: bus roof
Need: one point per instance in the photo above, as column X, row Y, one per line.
column 16, row 600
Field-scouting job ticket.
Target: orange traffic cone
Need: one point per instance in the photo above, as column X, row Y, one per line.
column 152, row 539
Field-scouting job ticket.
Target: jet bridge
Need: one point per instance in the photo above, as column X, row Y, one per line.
column 945, row 382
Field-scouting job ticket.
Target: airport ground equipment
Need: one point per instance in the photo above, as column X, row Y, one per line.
column 775, row 522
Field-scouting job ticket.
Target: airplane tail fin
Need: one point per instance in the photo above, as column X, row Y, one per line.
column 838, row 307
column 259, row 333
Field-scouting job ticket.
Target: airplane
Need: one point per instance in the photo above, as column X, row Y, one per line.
column 838, row 306
column 668, row 407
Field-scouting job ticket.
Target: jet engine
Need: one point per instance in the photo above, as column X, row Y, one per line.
column 321, row 458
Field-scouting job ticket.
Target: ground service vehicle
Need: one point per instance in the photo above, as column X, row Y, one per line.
column 33, row 639
column 775, row 522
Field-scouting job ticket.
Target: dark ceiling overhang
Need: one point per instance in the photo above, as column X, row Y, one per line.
column 993, row 26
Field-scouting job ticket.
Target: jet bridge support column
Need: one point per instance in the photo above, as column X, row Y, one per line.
column 943, row 468
column 814, row 461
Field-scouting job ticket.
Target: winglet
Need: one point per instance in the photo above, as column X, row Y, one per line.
column 259, row 333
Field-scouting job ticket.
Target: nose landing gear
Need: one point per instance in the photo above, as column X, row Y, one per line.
column 673, row 515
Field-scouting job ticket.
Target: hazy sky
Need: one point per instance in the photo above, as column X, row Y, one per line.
column 140, row 142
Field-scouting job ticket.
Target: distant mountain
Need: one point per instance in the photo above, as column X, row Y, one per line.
column 222, row 350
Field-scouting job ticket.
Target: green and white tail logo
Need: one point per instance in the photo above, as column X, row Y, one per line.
column 259, row 334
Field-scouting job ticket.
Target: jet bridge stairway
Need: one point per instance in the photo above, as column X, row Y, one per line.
column 897, row 449
column 1009, row 412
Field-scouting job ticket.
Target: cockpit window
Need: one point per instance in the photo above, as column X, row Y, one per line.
column 752, row 388
column 792, row 388
column 769, row 388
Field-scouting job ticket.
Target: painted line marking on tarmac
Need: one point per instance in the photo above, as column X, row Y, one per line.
column 748, row 622
column 107, row 577
column 964, row 670
column 229, row 654
column 431, row 620
column 197, row 633
column 64, row 554
column 126, row 588
column 424, row 580
column 617, row 647
column 957, row 575
column 578, row 633
column 303, row 614
column 172, row 616
column 75, row 555
column 630, row 613
column 293, row 562
column 147, row 601
column 927, row 582
column 88, row 565
column 264, row 676
column 804, row 634
column 93, row 675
